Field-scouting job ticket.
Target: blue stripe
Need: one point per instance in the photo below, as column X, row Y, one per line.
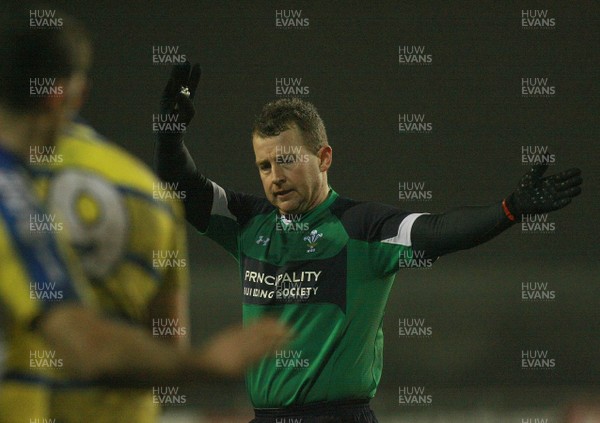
column 146, row 197
column 40, row 254
column 21, row 377
column 147, row 267
column 9, row 160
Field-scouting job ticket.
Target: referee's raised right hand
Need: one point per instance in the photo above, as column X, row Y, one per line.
column 178, row 95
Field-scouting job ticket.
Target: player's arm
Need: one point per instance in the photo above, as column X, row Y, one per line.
column 172, row 303
column 172, row 160
column 212, row 210
column 466, row 227
column 95, row 348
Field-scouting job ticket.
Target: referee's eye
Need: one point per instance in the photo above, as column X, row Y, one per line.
column 264, row 166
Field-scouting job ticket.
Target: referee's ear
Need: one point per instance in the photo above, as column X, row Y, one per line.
column 325, row 155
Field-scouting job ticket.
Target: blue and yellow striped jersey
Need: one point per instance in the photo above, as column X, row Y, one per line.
column 130, row 237
column 120, row 219
column 128, row 231
column 36, row 274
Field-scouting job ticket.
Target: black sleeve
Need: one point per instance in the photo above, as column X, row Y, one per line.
column 457, row 229
column 173, row 163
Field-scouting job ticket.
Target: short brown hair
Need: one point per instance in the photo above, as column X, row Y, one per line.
column 279, row 115
column 28, row 53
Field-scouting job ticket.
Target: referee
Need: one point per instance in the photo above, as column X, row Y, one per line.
column 322, row 263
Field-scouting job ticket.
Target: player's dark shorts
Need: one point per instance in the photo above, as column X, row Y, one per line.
column 353, row 411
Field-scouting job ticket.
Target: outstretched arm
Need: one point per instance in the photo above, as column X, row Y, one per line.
column 172, row 161
column 457, row 229
column 118, row 354
column 466, row 227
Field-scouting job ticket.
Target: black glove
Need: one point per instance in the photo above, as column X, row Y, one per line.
column 178, row 95
column 536, row 195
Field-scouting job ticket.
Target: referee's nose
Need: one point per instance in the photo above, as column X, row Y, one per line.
column 277, row 174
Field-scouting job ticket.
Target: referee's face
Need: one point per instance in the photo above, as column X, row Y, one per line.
column 293, row 177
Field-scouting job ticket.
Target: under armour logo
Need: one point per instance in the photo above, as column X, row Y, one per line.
column 263, row 241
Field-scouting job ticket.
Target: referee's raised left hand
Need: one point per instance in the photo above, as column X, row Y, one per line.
column 536, row 194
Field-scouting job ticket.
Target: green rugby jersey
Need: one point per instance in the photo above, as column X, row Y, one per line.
column 327, row 273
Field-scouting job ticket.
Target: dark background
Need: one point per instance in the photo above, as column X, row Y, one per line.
column 348, row 56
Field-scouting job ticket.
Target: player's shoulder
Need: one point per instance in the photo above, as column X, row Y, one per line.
column 348, row 207
column 241, row 205
column 82, row 147
column 367, row 220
